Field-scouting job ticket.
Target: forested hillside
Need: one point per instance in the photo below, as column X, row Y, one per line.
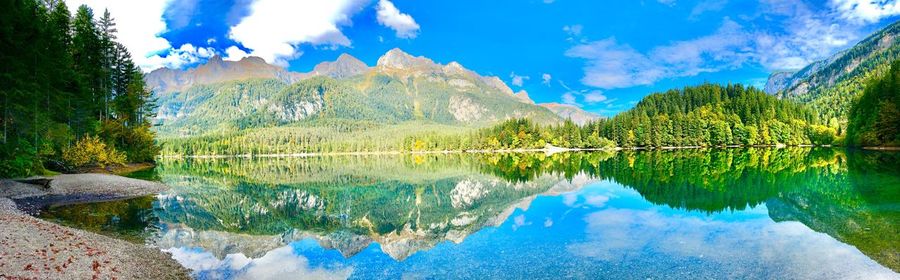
column 831, row 85
column 716, row 115
column 875, row 117
column 71, row 95
column 705, row 115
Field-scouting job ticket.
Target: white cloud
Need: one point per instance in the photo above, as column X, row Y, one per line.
column 574, row 33
column 518, row 80
column 234, row 53
column 574, row 30
column 546, row 78
column 806, row 35
column 139, row 24
column 866, row 10
column 707, row 6
column 185, row 55
column 610, row 65
column 179, row 13
column 279, row 263
column 283, row 263
column 632, row 236
column 569, row 98
column 594, row 97
column 801, row 37
column 781, row 35
column 273, row 29
column 519, row 221
column 388, row 15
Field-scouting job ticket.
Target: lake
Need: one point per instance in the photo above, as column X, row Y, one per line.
column 758, row 213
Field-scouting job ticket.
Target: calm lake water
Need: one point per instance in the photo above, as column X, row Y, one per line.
column 793, row 213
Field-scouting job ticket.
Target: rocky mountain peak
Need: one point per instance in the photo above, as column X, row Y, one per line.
column 522, row 96
column 254, row 60
column 345, row 66
column 216, row 70
column 498, row 84
column 398, row 59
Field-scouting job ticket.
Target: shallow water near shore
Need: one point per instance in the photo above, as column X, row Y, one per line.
column 723, row 213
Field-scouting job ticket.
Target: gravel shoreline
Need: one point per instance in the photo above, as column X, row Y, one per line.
column 32, row 248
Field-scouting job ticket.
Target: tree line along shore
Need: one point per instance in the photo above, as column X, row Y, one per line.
column 72, row 100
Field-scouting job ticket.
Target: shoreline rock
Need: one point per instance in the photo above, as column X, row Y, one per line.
column 34, row 248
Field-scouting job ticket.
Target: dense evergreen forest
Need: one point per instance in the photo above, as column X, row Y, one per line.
column 875, row 118
column 70, row 95
column 706, row 115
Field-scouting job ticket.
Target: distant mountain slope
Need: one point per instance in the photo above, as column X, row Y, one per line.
column 345, row 66
column 216, row 70
column 576, row 114
column 831, row 84
column 400, row 88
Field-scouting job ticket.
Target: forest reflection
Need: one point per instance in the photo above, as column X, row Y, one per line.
column 409, row 203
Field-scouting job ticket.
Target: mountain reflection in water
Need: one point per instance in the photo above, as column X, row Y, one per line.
column 732, row 213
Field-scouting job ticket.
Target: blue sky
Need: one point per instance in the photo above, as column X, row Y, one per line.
column 600, row 55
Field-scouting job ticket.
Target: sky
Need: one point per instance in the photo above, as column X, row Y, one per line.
column 603, row 56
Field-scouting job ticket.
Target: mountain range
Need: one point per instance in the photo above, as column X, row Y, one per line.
column 251, row 93
column 831, row 84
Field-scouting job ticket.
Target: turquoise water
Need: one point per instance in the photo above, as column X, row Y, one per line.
column 738, row 213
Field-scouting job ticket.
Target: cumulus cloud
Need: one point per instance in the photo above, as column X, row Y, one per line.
column 795, row 35
column 546, row 78
column 279, row 263
column 628, row 236
column 594, row 97
column 807, row 35
column 611, row 65
column 403, row 24
column 866, row 10
column 518, row 80
column 139, row 23
column 804, row 36
column 569, row 98
column 234, row 53
column 273, row 29
column 185, row 55
column 519, row 221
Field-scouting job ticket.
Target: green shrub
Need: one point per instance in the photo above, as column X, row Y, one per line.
column 18, row 160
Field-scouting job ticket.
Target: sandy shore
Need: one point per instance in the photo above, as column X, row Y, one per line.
column 32, row 248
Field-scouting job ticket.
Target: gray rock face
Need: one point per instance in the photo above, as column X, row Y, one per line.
column 400, row 60
column 778, row 81
column 344, row 67
column 465, row 110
